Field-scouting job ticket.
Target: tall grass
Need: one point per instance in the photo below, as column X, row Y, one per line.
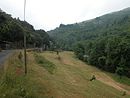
column 13, row 82
column 49, row 66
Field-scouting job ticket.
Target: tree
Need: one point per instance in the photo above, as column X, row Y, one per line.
column 79, row 51
column 102, row 61
column 120, row 71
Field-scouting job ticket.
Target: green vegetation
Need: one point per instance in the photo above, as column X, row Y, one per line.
column 14, row 84
column 49, row 66
column 109, row 54
column 123, row 80
column 12, row 30
column 103, row 42
column 72, row 79
column 112, row 24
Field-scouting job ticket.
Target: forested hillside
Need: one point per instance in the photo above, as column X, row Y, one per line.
column 116, row 23
column 12, row 30
column 103, row 41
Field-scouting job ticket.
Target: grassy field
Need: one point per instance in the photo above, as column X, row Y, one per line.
column 123, row 80
column 71, row 79
column 14, row 83
column 51, row 76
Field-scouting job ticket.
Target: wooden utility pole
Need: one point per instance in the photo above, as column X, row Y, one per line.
column 25, row 54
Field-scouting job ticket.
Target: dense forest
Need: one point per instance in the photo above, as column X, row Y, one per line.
column 12, row 30
column 103, row 41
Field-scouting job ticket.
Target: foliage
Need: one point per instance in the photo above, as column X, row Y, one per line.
column 111, row 24
column 13, row 30
column 104, row 40
column 110, row 54
column 120, row 71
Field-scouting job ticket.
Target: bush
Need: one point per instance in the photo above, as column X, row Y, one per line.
column 102, row 61
column 120, row 71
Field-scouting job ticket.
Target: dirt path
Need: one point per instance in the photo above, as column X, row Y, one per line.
column 72, row 79
column 109, row 81
column 99, row 75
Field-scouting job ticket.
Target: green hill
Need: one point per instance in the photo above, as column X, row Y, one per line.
column 114, row 23
column 103, row 41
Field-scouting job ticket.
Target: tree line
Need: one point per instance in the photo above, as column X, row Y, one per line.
column 109, row 53
column 12, row 30
column 103, row 41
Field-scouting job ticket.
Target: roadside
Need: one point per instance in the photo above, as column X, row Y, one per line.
column 4, row 55
column 14, row 83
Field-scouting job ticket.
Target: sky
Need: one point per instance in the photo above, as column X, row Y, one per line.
column 49, row 14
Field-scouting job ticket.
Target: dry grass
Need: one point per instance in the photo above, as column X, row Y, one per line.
column 14, row 83
column 71, row 79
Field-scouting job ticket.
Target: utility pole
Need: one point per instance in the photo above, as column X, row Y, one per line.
column 25, row 54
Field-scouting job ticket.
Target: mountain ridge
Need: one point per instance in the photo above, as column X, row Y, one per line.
column 68, row 34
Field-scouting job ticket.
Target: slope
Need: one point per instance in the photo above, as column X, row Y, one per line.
column 71, row 79
column 115, row 23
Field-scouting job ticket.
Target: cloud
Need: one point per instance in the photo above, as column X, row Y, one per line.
column 48, row 14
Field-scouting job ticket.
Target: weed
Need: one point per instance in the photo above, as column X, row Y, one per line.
column 17, row 86
column 49, row 66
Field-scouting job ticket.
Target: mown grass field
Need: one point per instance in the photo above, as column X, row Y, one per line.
column 52, row 77
column 71, row 79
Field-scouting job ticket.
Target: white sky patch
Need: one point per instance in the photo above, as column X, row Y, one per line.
column 48, row 14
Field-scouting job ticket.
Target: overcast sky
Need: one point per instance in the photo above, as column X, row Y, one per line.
column 48, row 14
